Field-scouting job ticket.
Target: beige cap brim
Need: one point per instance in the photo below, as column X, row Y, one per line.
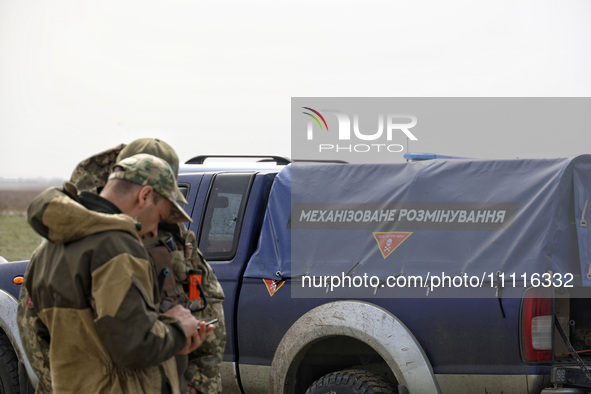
column 178, row 214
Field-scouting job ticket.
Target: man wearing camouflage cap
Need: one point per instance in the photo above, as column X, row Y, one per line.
column 202, row 369
column 88, row 304
column 144, row 169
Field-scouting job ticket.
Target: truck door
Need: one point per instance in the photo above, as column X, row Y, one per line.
column 227, row 215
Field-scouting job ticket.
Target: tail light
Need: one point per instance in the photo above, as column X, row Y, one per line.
column 537, row 326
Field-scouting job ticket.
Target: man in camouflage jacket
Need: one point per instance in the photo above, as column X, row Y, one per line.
column 88, row 305
column 202, row 369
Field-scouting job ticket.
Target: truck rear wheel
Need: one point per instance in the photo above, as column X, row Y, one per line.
column 8, row 368
column 352, row 381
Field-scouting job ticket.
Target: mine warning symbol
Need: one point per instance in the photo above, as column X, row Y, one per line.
column 388, row 242
column 273, row 285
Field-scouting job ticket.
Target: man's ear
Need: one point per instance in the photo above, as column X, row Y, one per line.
column 144, row 194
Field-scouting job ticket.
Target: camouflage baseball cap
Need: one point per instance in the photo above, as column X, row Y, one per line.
column 152, row 146
column 144, row 169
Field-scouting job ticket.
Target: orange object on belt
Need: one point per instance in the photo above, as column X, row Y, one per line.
column 195, row 277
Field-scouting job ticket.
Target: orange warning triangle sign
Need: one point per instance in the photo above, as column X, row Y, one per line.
column 273, row 285
column 388, row 242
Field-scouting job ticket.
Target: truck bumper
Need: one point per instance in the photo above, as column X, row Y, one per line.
column 568, row 375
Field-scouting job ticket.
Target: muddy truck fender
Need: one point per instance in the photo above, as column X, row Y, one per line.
column 365, row 322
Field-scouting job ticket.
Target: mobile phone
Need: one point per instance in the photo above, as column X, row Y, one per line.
column 213, row 321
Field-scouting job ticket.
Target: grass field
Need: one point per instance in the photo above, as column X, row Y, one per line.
column 17, row 238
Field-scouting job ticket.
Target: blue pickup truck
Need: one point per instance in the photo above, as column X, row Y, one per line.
column 433, row 276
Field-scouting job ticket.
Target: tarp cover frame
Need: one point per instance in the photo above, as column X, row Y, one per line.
column 527, row 217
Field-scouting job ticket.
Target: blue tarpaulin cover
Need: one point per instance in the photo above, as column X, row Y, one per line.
column 453, row 216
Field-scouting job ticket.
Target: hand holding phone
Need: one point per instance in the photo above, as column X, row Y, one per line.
column 209, row 323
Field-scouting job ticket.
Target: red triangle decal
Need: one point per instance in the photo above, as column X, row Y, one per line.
column 273, row 285
column 388, row 242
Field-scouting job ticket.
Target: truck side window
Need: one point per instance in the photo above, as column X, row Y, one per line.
column 222, row 220
column 184, row 188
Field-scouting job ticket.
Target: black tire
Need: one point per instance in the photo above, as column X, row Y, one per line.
column 8, row 368
column 352, row 381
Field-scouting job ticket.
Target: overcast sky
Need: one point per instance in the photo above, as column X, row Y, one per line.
column 78, row 77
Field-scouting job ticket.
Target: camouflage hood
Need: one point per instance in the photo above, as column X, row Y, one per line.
column 57, row 215
column 92, row 173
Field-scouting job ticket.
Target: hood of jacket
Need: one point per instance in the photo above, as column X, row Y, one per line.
column 57, row 215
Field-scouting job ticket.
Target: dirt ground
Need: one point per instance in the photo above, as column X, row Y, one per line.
column 16, row 201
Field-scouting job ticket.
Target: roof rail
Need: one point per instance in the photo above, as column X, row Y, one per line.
column 280, row 160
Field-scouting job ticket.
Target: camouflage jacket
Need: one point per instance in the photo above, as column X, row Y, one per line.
column 88, row 305
column 175, row 249
column 203, row 369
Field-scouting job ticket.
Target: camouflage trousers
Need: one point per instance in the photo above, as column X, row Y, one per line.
column 203, row 371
